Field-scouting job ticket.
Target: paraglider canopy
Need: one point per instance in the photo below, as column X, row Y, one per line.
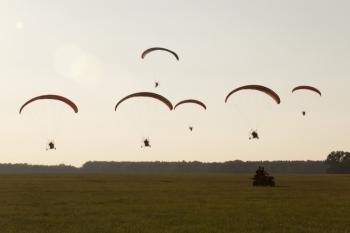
column 51, row 97
column 193, row 101
column 147, row 51
column 310, row 88
column 146, row 94
column 263, row 89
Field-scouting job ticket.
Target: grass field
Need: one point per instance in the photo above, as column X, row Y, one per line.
column 198, row 203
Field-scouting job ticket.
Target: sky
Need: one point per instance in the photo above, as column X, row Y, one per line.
column 89, row 51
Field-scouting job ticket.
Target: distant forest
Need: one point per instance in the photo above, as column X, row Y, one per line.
column 236, row 166
column 336, row 162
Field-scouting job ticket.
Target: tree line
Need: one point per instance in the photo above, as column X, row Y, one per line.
column 336, row 162
column 236, row 166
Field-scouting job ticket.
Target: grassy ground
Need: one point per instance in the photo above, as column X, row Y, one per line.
column 197, row 203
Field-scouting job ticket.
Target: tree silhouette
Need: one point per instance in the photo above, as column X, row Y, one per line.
column 338, row 162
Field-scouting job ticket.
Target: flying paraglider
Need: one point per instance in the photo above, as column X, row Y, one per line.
column 191, row 101
column 51, row 145
column 146, row 94
column 147, row 51
column 150, row 50
column 254, row 134
column 308, row 88
column 153, row 95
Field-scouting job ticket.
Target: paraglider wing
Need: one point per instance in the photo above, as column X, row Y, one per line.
column 266, row 90
column 314, row 89
column 191, row 101
column 51, row 97
column 147, row 51
column 146, row 94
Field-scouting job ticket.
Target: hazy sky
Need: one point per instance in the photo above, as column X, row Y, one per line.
column 89, row 51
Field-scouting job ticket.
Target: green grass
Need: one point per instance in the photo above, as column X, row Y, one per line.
column 198, row 203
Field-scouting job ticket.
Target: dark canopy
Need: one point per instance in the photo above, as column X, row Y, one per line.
column 51, row 97
column 263, row 89
column 146, row 94
column 147, row 51
column 310, row 88
column 193, row 101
